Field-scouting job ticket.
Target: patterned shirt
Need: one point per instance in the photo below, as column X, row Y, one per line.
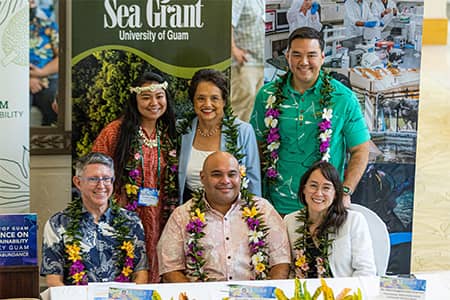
column 226, row 252
column 248, row 26
column 44, row 41
column 298, row 124
column 98, row 246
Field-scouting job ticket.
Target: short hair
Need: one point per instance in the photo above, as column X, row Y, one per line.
column 93, row 158
column 209, row 75
column 306, row 33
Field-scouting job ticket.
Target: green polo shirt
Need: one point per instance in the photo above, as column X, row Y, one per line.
column 298, row 124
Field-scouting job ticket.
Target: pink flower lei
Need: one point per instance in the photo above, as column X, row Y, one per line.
column 272, row 140
column 303, row 259
column 125, row 248
column 251, row 215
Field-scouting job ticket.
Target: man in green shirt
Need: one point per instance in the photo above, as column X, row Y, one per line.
column 306, row 116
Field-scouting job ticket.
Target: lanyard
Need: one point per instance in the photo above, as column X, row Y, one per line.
column 141, row 152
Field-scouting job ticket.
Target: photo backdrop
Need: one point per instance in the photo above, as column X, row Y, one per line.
column 116, row 41
column 381, row 64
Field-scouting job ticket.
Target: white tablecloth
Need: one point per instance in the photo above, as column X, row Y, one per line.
column 438, row 284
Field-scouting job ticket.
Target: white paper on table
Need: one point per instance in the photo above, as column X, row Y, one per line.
column 72, row 292
column 45, row 295
column 100, row 290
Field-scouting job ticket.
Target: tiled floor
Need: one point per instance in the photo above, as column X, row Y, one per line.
column 431, row 231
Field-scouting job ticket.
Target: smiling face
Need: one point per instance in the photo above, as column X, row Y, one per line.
column 307, row 4
column 319, row 193
column 208, row 102
column 305, row 58
column 221, row 179
column 94, row 195
column 151, row 105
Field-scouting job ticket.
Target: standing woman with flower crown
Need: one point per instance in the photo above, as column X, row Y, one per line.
column 212, row 128
column 143, row 145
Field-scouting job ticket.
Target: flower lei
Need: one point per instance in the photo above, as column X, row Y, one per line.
column 272, row 139
column 303, row 258
column 125, row 246
column 256, row 236
column 170, row 179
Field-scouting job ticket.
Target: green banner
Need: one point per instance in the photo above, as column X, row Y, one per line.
column 176, row 36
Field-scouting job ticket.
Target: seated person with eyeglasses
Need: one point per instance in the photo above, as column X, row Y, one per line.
column 326, row 239
column 93, row 239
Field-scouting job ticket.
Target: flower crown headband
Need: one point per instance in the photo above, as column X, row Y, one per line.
column 150, row 88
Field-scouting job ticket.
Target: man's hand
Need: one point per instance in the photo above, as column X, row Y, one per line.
column 347, row 200
column 36, row 71
column 239, row 55
column 35, row 85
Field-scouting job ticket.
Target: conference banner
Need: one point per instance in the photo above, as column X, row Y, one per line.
column 114, row 41
column 14, row 107
column 375, row 50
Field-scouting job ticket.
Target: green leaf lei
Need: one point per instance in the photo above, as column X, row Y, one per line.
column 231, row 131
column 74, row 258
column 250, row 213
column 303, row 259
column 258, row 231
column 272, row 140
column 134, row 169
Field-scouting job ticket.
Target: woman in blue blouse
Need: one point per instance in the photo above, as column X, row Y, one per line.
column 214, row 128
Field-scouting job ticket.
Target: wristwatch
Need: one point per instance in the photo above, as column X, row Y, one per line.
column 347, row 190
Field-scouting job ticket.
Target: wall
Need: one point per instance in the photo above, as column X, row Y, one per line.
column 435, row 23
column 50, row 188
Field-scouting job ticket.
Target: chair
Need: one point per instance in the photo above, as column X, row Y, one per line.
column 380, row 237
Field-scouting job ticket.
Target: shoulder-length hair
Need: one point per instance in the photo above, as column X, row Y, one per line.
column 337, row 213
column 131, row 120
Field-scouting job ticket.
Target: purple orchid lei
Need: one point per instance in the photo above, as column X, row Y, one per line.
column 252, row 217
column 134, row 168
column 272, row 140
column 125, row 248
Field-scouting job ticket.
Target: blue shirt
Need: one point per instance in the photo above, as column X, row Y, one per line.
column 44, row 41
column 98, row 245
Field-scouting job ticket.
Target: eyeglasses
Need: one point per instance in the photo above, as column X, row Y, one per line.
column 96, row 180
column 325, row 189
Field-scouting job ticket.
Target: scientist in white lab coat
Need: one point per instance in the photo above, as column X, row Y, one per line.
column 384, row 10
column 303, row 13
column 360, row 21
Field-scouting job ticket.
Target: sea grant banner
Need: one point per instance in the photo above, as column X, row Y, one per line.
column 14, row 107
column 115, row 41
column 176, row 36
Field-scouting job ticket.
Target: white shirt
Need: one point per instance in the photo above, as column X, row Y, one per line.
column 378, row 8
column 297, row 19
column 351, row 250
column 194, row 167
column 360, row 12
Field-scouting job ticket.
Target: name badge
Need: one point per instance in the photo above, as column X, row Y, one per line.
column 148, row 197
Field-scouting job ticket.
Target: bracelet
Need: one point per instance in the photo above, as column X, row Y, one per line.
column 347, row 190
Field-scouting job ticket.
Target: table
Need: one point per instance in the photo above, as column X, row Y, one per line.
column 438, row 284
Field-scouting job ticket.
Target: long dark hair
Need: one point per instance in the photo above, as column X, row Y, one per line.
column 337, row 213
column 131, row 120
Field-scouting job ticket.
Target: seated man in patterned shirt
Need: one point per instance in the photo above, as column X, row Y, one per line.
column 93, row 239
column 225, row 233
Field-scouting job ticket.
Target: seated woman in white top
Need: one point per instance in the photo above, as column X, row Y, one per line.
column 303, row 13
column 213, row 128
column 326, row 239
